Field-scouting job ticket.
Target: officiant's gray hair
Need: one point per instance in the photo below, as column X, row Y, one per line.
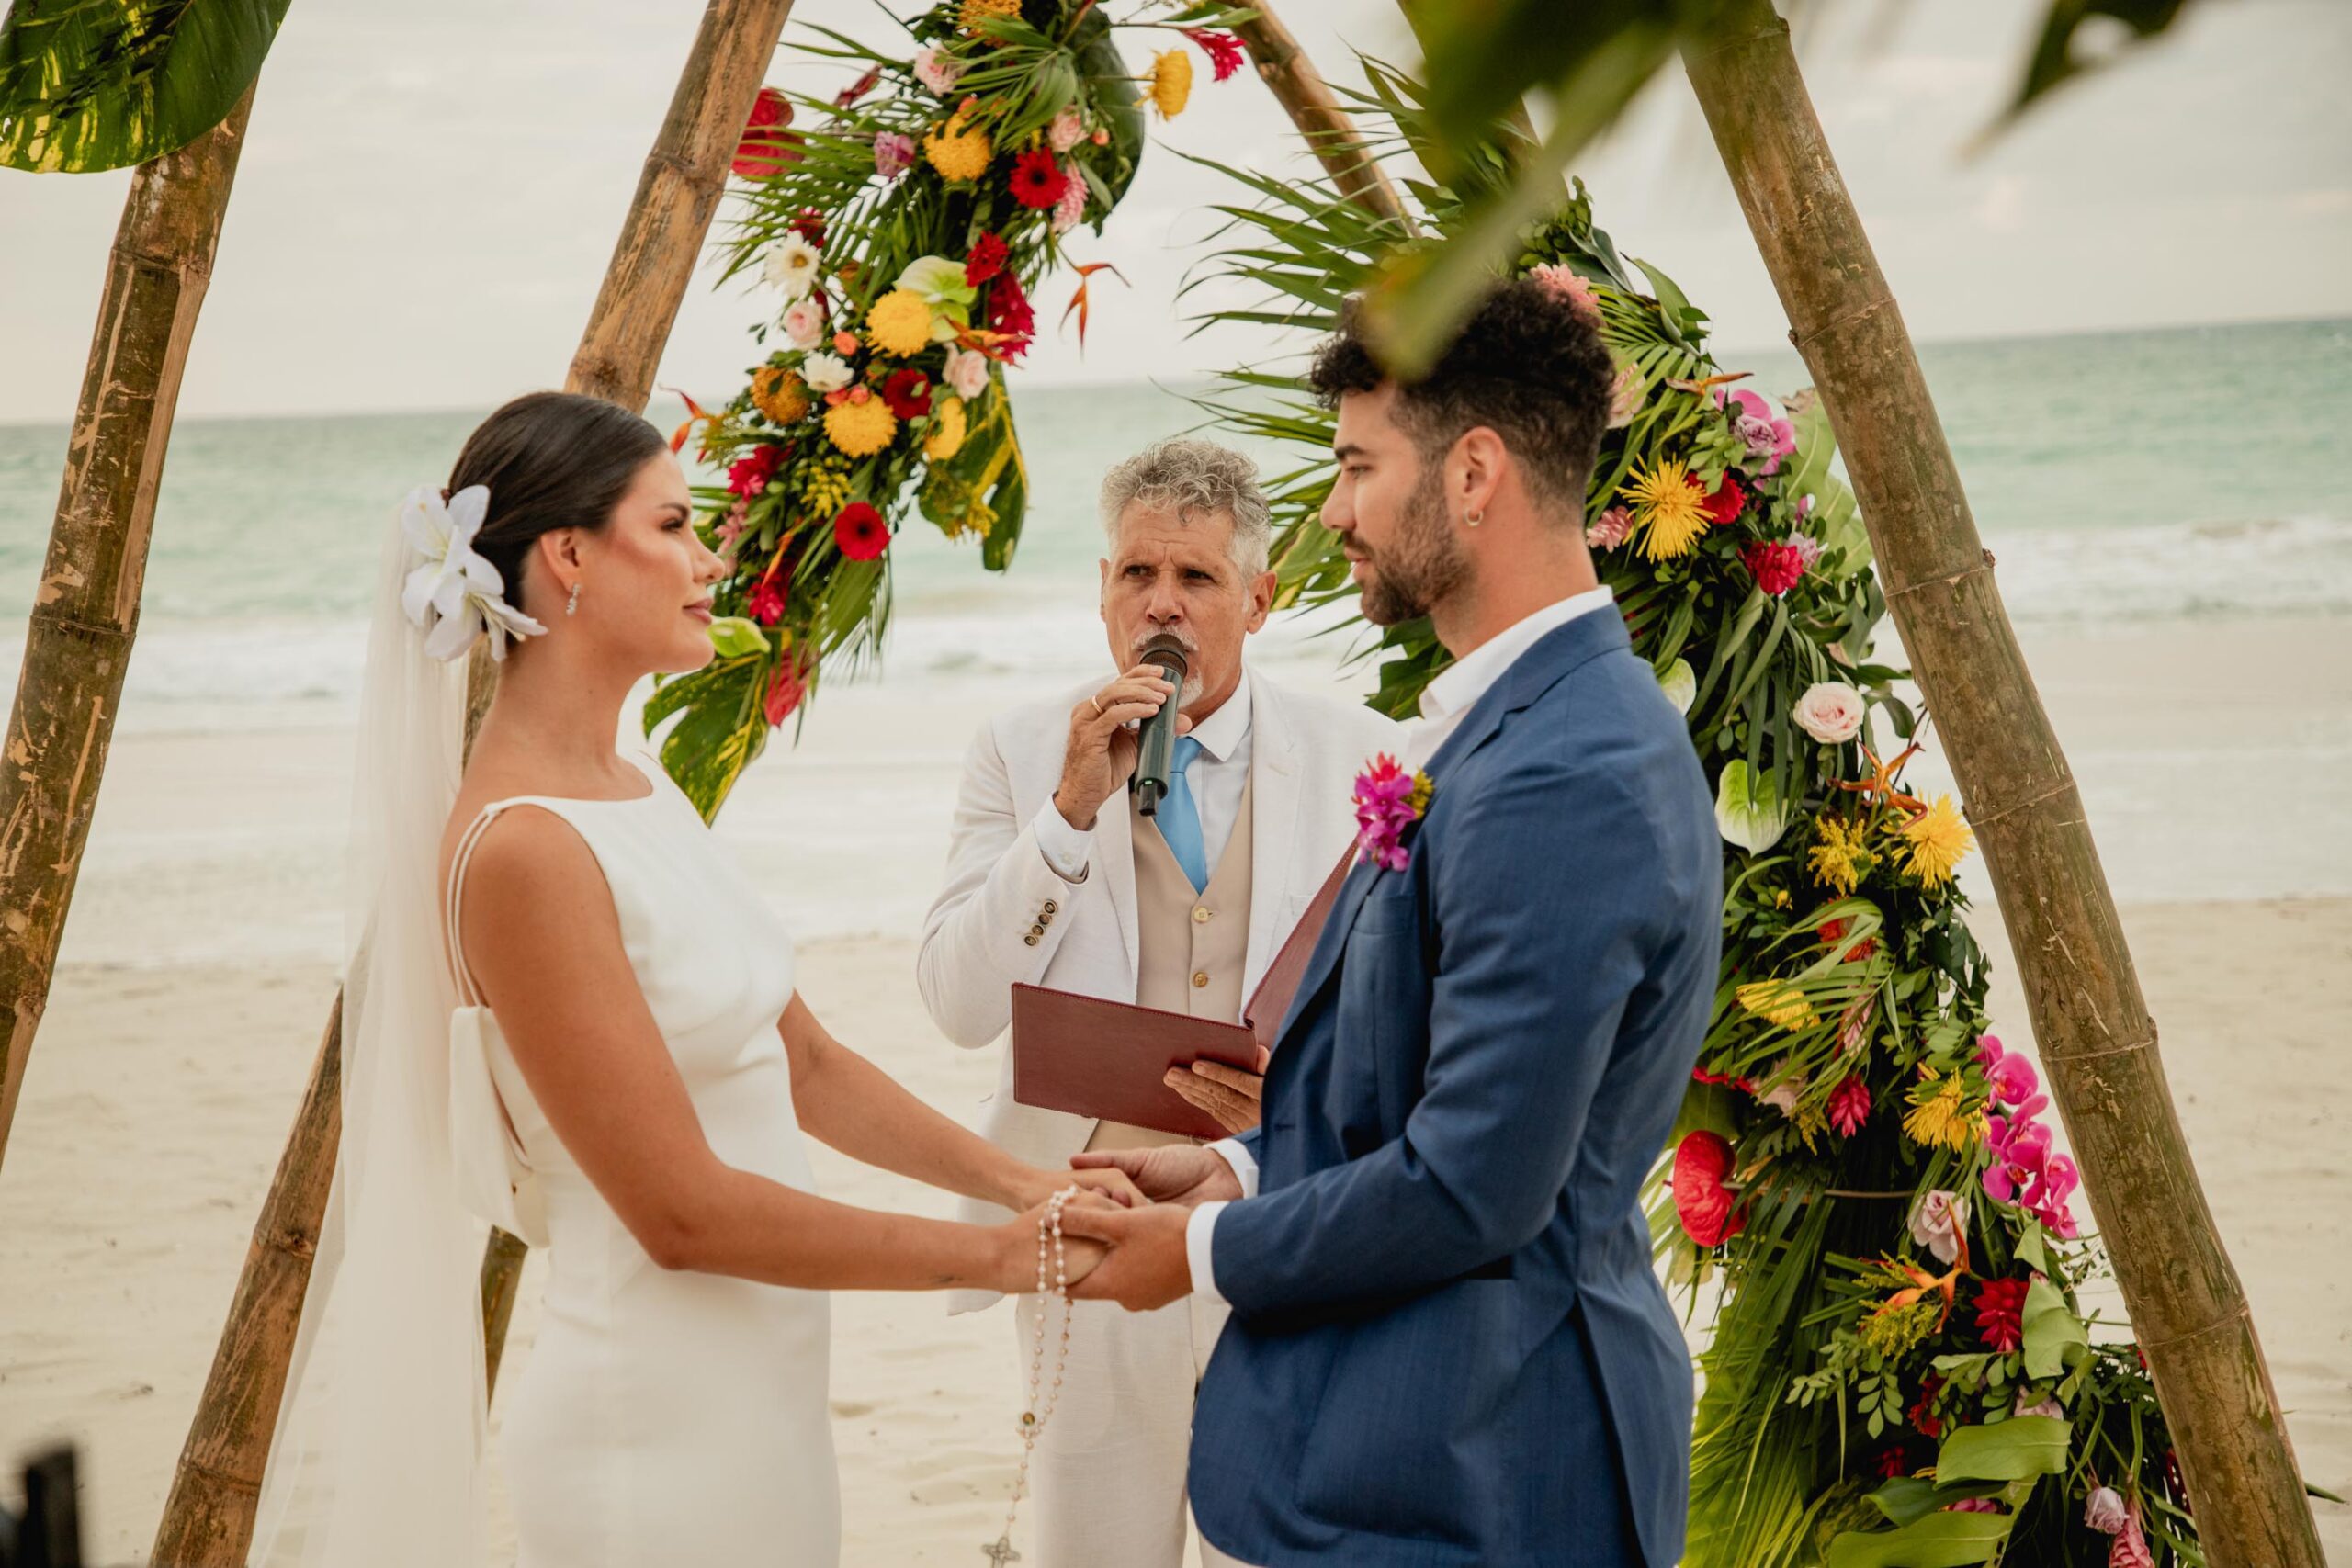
column 1184, row 476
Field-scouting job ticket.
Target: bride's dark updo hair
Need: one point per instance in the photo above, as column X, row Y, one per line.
column 552, row 460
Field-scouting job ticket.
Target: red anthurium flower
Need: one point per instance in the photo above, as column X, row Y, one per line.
column 908, row 391
column 767, row 146
column 1702, row 1202
column 986, row 261
column 1037, row 178
column 860, row 532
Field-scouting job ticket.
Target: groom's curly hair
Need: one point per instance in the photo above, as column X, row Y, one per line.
column 1524, row 365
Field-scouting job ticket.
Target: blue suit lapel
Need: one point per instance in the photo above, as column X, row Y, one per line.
column 1537, row 670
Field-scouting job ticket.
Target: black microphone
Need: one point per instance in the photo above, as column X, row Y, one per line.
column 1155, row 741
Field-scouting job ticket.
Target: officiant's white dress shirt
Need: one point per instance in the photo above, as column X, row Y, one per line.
column 1218, row 777
column 1453, row 692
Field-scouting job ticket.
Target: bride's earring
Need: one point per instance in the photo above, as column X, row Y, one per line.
column 571, row 605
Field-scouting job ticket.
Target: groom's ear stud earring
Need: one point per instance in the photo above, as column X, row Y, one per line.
column 571, row 605
column 1474, row 519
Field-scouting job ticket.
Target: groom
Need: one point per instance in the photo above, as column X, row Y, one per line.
column 1447, row 1345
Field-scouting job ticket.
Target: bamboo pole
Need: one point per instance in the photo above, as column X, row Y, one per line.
column 85, row 612
column 1330, row 132
column 2098, row 1042
column 209, row 1516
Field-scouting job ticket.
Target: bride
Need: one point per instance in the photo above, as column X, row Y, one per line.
column 577, row 1018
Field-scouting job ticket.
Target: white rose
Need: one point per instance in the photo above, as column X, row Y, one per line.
column 824, row 372
column 1830, row 711
column 804, row 323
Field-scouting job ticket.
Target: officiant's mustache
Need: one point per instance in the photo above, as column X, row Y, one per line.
column 1182, row 637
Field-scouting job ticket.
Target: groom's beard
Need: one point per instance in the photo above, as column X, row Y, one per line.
column 1423, row 564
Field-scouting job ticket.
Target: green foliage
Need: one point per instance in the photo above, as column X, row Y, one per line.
column 86, row 86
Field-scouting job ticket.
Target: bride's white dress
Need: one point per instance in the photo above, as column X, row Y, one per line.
column 669, row 1417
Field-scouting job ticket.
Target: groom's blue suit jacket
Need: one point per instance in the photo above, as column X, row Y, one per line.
column 1447, row 1345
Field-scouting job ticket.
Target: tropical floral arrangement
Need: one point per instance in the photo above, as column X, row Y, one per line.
column 1863, row 1185
column 904, row 232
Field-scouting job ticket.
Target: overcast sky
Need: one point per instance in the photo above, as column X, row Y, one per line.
column 431, row 189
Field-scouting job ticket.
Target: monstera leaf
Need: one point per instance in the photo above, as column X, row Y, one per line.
column 87, row 86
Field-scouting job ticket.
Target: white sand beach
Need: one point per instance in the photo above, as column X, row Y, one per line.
column 199, row 971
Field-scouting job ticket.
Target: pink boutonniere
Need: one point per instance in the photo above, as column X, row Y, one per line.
column 1388, row 801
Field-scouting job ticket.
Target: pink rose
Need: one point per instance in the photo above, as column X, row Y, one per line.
column 1067, row 131
column 2103, row 1511
column 804, row 323
column 966, row 372
column 1938, row 1223
column 1830, row 711
column 935, row 71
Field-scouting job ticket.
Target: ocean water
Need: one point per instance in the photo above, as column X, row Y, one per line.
column 2119, row 477
column 2130, row 484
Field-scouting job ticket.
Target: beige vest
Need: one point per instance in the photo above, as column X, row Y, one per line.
column 1191, row 946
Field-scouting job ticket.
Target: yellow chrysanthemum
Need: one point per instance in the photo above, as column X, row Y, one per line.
column 1777, row 1001
column 861, row 429
column 1666, row 509
column 1939, row 839
column 957, row 154
column 779, row 394
column 1171, row 83
column 947, row 437
column 1938, row 1116
column 974, row 12
column 899, row 323
column 1840, row 860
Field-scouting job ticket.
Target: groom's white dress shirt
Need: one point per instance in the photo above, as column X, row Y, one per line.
column 1453, row 693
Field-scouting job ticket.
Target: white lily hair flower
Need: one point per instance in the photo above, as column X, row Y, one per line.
column 792, row 267
column 453, row 595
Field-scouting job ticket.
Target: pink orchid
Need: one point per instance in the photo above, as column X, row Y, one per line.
column 1767, row 435
column 1388, row 800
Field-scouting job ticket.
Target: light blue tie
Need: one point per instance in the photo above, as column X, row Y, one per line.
column 1179, row 819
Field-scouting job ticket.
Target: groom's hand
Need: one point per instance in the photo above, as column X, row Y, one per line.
column 1182, row 1174
column 1146, row 1266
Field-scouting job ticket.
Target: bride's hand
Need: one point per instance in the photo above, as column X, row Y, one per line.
column 1017, row 1247
column 1035, row 1185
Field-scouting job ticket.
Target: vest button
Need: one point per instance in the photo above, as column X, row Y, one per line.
column 1200, row 979
column 1200, row 914
column 1031, row 938
column 1037, row 931
column 1052, row 908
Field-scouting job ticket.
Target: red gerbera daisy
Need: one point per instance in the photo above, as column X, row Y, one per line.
column 1701, row 1199
column 767, row 146
column 1224, row 50
column 2001, row 1312
column 986, row 261
column 1725, row 502
column 908, row 391
column 860, row 532
column 1037, row 178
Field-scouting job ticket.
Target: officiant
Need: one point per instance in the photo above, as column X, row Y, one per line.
column 1056, row 878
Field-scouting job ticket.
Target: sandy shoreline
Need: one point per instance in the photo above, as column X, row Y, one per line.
column 198, row 971
column 149, row 1132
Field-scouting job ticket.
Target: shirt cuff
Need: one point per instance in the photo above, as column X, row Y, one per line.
column 1197, row 1255
column 1235, row 1153
column 1066, row 849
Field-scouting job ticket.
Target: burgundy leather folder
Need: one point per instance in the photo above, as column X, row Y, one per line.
column 1095, row 1057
